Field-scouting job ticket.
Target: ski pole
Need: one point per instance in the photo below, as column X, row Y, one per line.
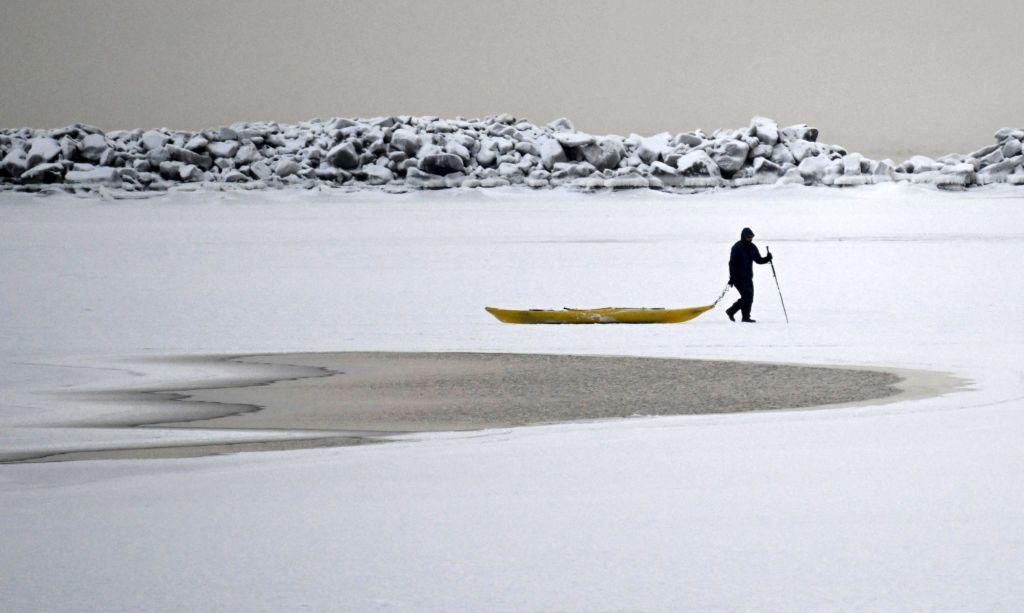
column 777, row 285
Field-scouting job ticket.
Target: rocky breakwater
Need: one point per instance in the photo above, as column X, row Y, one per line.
column 401, row 153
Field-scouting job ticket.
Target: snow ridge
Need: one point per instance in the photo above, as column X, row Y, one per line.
column 402, row 153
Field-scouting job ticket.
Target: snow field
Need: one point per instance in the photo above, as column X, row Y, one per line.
column 898, row 507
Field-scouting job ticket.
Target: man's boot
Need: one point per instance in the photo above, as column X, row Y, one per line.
column 748, row 320
column 731, row 312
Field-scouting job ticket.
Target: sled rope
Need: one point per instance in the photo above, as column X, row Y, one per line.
column 720, row 296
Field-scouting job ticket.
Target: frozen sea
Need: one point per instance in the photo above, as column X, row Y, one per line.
column 903, row 506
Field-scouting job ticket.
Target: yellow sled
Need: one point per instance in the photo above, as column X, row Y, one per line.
column 607, row 315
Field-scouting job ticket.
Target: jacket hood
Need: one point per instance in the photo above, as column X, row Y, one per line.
column 746, row 233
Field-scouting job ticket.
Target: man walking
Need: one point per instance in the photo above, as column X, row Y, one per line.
column 741, row 273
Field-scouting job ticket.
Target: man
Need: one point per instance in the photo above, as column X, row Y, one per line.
column 741, row 273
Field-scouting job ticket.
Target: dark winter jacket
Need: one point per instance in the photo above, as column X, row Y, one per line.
column 741, row 262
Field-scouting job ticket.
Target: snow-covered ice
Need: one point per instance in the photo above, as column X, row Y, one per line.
column 905, row 506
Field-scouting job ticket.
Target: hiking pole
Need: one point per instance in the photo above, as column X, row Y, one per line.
column 772, row 262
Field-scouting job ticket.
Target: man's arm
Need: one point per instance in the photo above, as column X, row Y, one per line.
column 757, row 255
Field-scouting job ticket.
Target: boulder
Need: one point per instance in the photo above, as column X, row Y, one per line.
column 730, row 155
column 698, row 163
column 458, row 149
column 234, row 176
column 813, row 168
column 551, row 153
column 791, row 177
column 800, row 150
column 1004, row 133
column 882, row 168
column 170, row 169
column 562, row 125
column 851, row 164
column 800, row 131
column 764, row 166
column 247, row 154
column 343, row 156
column 92, row 147
column 689, row 139
column 1011, row 147
column 414, row 177
column 15, row 162
column 980, row 153
column 190, row 173
column 629, row 178
column 50, row 172
column 180, row 154
column 527, row 163
column 42, row 150
column 196, row 143
column 101, row 175
column 765, row 130
column 651, row 148
column 69, row 147
column 441, row 164
column 158, row 156
column 605, row 153
column 286, row 167
column 406, row 141
column 226, row 133
column 261, row 169
column 538, row 179
column 998, row 171
column 222, row 149
column 920, row 163
column 377, row 175
column 994, row 157
column 528, row 148
column 153, row 139
column 574, row 139
column 782, row 155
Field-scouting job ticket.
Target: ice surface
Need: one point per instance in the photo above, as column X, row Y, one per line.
column 909, row 506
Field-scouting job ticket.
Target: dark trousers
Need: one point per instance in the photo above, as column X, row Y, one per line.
column 746, row 289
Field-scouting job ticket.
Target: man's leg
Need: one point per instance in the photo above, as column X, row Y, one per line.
column 736, row 306
column 746, row 298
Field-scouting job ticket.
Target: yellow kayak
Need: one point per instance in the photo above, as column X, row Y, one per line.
column 606, row 315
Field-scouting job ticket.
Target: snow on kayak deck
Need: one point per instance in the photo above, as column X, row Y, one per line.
column 911, row 505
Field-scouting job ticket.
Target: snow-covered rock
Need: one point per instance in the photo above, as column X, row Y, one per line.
column 101, row 174
column 286, row 167
column 799, row 131
column 247, row 154
column 651, row 148
column 378, row 175
column 41, row 150
column 730, row 155
column 44, row 173
column 574, row 139
column 401, row 151
column 15, row 162
column 222, row 149
column 93, row 147
column 153, row 139
column 441, row 163
column 605, row 153
column 551, row 153
column 343, row 156
column 765, row 130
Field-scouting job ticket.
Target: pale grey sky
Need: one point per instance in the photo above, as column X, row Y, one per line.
column 882, row 78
